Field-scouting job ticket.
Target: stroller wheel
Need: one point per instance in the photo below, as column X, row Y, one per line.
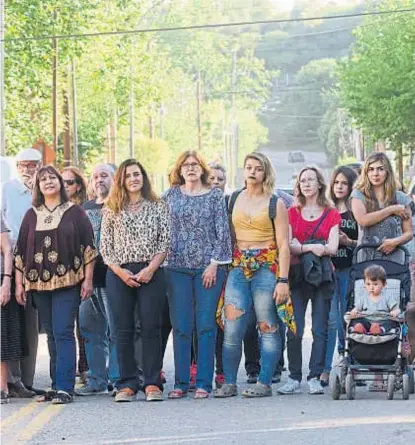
column 335, row 386
column 410, row 372
column 391, row 386
column 350, row 387
column 405, row 387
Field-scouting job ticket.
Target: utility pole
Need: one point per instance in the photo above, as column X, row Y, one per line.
column 234, row 126
column 113, row 133
column 161, row 112
column 358, row 145
column 198, row 110
column 131, row 119
column 2, row 99
column 66, row 130
column 74, row 122
column 55, row 88
column 131, row 105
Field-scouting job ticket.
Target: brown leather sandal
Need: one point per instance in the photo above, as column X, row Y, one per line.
column 153, row 394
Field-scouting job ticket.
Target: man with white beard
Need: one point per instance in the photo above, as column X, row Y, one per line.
column 94, row 316
column 16, row 200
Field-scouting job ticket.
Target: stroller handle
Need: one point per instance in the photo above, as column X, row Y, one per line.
column 375, row 246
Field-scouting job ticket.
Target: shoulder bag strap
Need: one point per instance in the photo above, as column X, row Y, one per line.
column 324, row 216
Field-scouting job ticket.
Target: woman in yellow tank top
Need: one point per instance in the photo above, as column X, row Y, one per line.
column 259, row 276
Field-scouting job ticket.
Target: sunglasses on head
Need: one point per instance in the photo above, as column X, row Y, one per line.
column 69, row 181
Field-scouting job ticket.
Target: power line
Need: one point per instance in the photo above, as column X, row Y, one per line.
column 207, row 26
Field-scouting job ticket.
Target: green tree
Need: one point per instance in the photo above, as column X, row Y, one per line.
column 376, row 81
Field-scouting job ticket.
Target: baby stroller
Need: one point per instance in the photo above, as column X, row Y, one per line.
column 373, row 357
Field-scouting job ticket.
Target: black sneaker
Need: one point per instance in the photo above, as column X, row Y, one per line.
column 252, row 377
column 38, row 392
column 19, row 391
column 276, row 378
column 62, row 398
column 4, row 397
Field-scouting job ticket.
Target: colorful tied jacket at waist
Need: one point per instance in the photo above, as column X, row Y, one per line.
column 250, row 261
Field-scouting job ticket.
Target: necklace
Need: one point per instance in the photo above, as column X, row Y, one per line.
column 311, row 212
column 134, row 207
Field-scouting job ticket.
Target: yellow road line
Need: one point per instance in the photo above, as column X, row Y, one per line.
column 38, row 422
column 18, row 415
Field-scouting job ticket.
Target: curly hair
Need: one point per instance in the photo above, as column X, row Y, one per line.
column 175, row 176
column 365, row 187
column 118, row 197
column 322, row 199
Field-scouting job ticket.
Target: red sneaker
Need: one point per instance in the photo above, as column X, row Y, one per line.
column 359, row 328
column 376, row 329
column 219, row 380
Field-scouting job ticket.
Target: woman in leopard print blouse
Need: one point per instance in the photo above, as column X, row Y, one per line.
column 135, row 239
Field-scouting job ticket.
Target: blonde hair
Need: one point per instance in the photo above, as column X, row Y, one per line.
column 269, row 172
column 365, row 187
column 175, row 176
column 322, row 200
column 118, row 197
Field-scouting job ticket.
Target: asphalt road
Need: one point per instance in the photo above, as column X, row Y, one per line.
column 286, row 171
column 290, row 420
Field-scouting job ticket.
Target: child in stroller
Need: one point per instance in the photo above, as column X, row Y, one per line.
column 371, row 307
column 375, row 327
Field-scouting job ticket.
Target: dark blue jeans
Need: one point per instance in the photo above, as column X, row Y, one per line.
column 97, row 328
column 336, row 326
column 149, row 299
column 188, row 297
column 319, row 318
column 57, row 312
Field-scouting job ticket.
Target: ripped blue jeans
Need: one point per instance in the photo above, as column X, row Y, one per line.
column 241, row 296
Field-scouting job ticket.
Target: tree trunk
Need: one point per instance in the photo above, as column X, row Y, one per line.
column 399, row 162
column 66, row 130
column 113, row 138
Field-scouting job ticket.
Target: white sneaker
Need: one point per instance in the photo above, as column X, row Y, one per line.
column 291, row 387
column 314, row 386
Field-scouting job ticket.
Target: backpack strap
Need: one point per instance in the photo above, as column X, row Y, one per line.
column 272, row 209
column 232, row 200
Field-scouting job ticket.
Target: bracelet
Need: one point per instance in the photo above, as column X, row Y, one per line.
column 283, row 280
column 7, row 275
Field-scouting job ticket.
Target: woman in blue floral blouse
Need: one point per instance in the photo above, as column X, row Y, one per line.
column 200, row 249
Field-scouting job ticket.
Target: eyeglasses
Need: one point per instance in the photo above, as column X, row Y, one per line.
column 188, row 165
column 308, row 181
column 28, row 166
column 69, row 181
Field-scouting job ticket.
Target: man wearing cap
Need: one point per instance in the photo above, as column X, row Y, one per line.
column 16, row 200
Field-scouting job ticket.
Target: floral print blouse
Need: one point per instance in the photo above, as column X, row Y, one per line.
column 53, row 247
column 200, row 229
